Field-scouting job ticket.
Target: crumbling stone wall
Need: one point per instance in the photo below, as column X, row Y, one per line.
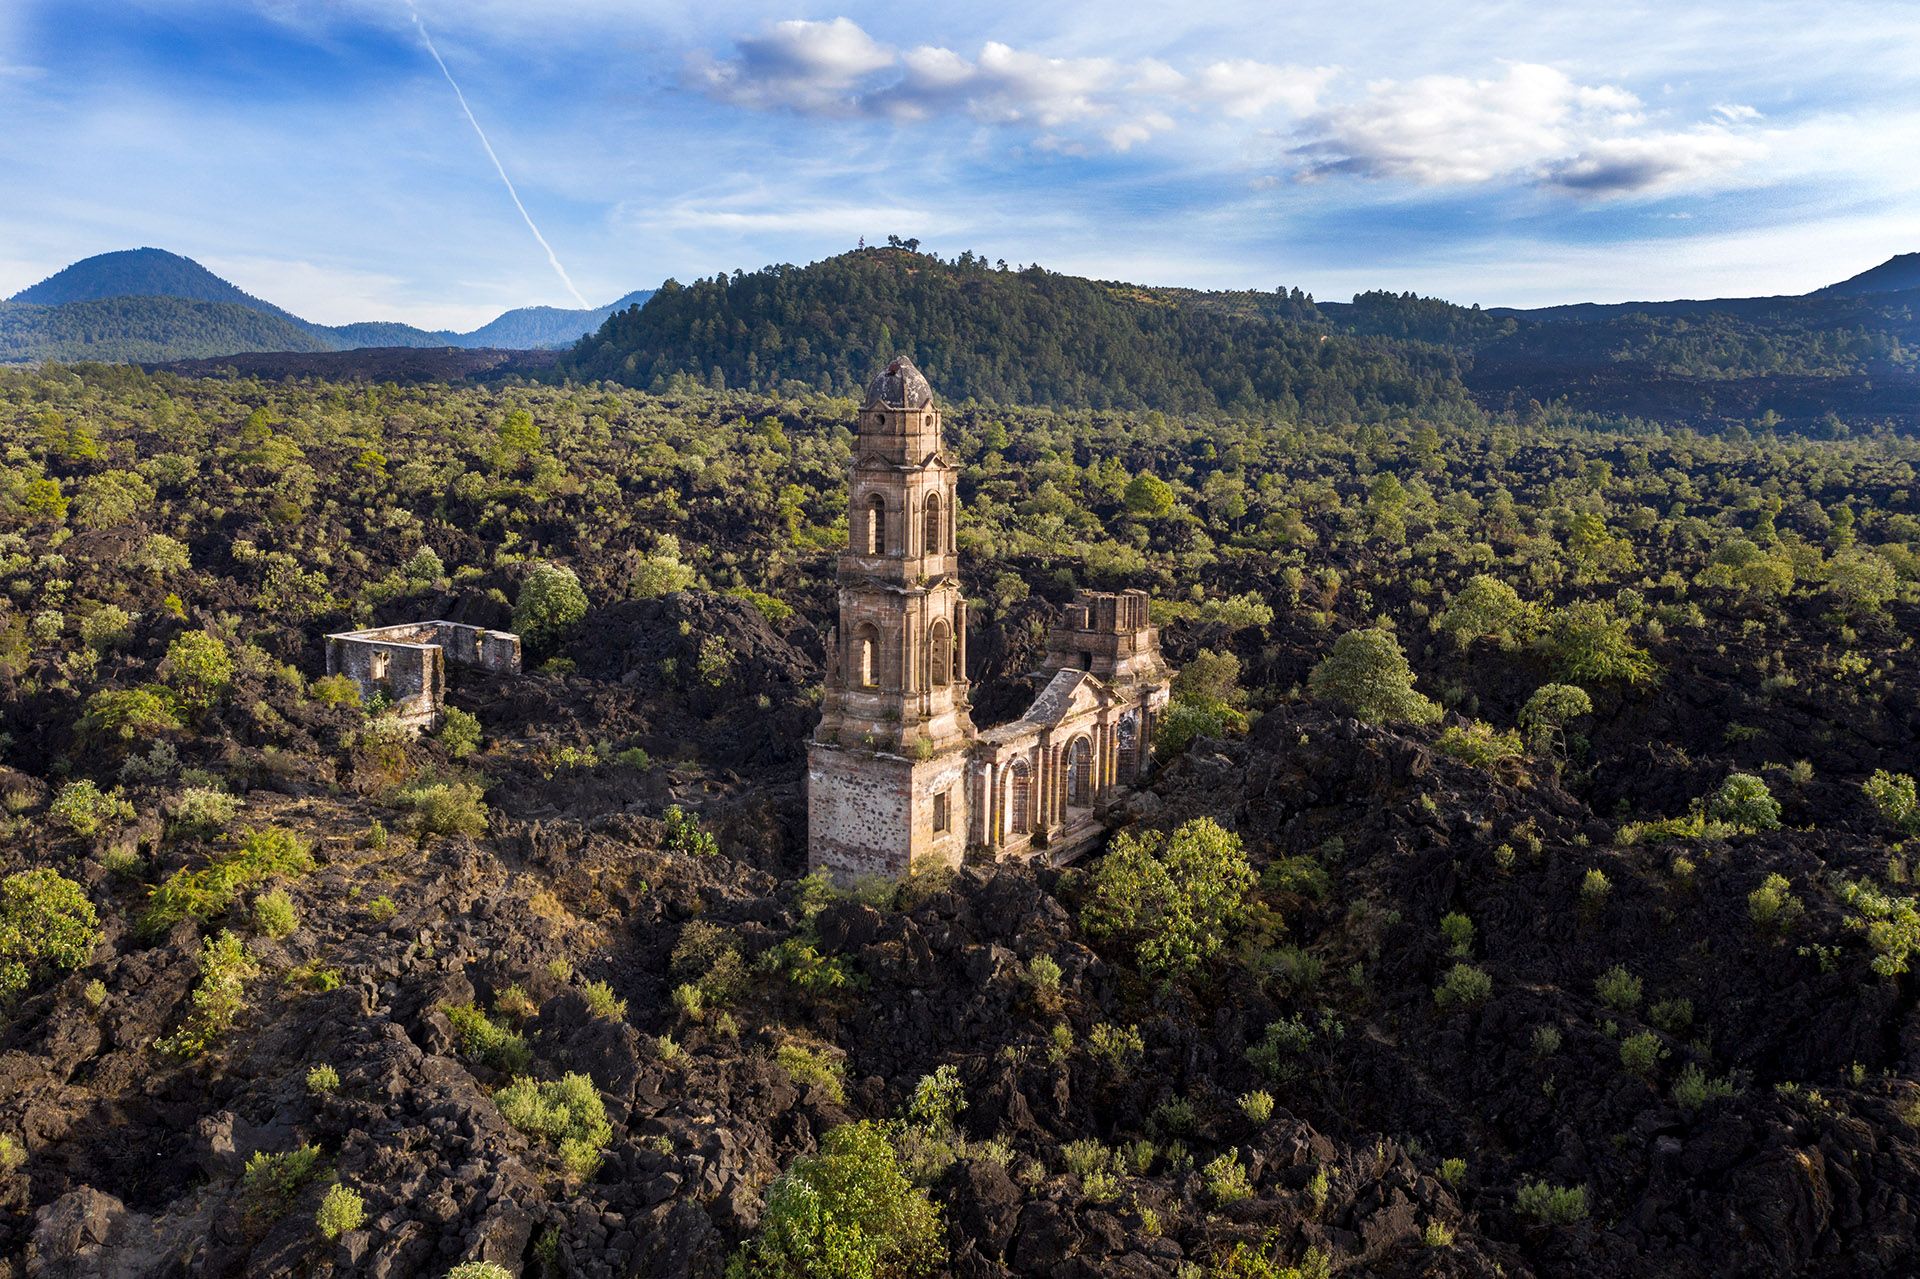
column 406, row 664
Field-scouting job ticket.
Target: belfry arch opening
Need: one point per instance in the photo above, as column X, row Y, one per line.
column 866, row 657
column 876, row 530
column 936, row 533
column 940, row 654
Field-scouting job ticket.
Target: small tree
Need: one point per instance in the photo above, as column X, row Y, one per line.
column 1176, row 900
column 1368, row 674
column 1546, row 715
column 1148, row 495
column 1745, row 801
column 1485, row 608
column 46, row 923
column 198, row 667
column 550, row 603
column 847, row 1211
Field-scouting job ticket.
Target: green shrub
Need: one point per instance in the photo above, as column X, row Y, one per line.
column 322, row 1079
column 1773, row 905
column 130, row 714
column 1176, row 900
column 1893, row 797
column 1485, row 608
column 1618, row 989
column 1453, row 1171
column 273, row 914
column 1594, row 888
column 445, row 808
column 12, row 1155
column 938, row 1100
column 46, row 924
column 807, row 1065
column 1464, row 986
column 550, row 604
column 202, row 810
column 1693, row 1089
column 683, row 834
column 1227, row 1180
column 566, row 1112
column 225, row 968
column 198, row 667
column 335, row 690
column 480, row 1038
column 1457, row 931
column 480, row 1270
column 1281, row 1044
column 84, row 809
column 1257, row 1106
column 1545, row 717
column 1368, row 675
column 1588, row 645
column 1551, row 1205
column 340, row 1211
column 847, row 1212
column 1478, row 744
column 1641, row 1052
column 208, row 892
column 270, row 1181
column 1672, row 1015
column 1743, row 800
column 602, row 1002
column 1119, row 1047
column 459, row 732
column 1546, row 1041
column 1892, row 924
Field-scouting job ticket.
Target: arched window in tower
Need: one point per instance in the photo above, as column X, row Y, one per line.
column 1080, row 774
column 1129, row 735
column 876, row 541
column 936, row 528
column 866, row 657
column 1019, row 797
column 940, row 654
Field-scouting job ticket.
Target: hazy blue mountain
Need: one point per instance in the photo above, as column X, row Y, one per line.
column 530, row 328
column 148, row 320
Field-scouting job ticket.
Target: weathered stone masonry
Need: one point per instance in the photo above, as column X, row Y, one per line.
column 897, row 771
column 407, row 664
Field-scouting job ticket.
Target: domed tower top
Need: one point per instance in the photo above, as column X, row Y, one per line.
column 899, row 421
column 899, row 386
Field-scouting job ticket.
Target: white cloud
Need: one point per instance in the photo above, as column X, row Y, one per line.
column 1534, row 123
column 1071, row 104
column 799, row 65
column 1245, row 88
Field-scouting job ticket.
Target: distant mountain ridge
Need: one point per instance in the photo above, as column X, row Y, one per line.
column 1895, row 275
column 148, row 305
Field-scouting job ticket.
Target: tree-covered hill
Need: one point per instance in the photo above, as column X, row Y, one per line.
column 1030, row 336
column 145, row 329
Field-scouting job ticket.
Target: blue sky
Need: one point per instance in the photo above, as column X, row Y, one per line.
column 1506, row 153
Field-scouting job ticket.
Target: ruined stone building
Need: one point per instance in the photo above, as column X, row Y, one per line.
column 407, row 665
column 897, row 771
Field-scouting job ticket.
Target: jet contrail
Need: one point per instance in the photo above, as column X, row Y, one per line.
column 499, row 168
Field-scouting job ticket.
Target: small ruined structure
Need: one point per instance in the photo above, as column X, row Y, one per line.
column 896, row 770
column 407, row 665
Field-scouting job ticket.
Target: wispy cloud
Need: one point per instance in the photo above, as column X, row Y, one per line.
column 835, row 68
column 1533, row 124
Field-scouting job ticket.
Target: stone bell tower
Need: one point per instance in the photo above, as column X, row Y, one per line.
column 888, row 762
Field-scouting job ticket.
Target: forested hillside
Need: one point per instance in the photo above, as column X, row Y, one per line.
column 145, row 329
column 1016, row 337
column 1034, row 336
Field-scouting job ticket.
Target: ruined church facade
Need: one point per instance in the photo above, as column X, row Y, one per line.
column 896, row 771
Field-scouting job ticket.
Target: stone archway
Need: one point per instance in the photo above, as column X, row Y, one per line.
column 1080, row 773
column 1019, row 798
